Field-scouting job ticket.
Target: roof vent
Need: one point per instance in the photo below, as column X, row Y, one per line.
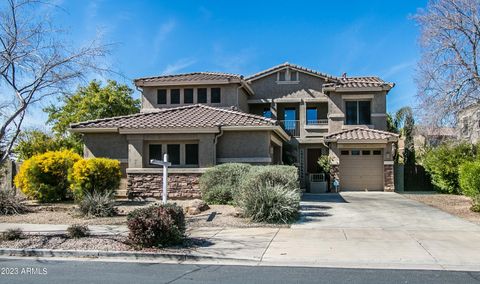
column 344, row 75
column 233, row 108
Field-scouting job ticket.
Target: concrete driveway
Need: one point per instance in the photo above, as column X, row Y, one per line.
column 378, row 210
column 376, row 230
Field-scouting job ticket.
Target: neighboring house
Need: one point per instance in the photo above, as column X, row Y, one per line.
column 427, row 136
column 468, row 124
column 206, row 118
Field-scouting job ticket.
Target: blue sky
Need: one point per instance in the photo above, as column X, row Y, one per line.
column 159, row 37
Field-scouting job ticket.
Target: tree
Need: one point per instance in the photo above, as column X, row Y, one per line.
column 92, row 102
column 35, row 63
column 34, row 142
column 448, row 77
column 403, row 122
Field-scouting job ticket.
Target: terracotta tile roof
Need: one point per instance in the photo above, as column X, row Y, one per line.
column 359, row 82
column 286, row 64
column 187, row 77
column 198, row 116
column 361, row 134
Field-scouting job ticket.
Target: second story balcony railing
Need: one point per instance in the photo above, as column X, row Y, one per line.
column 317, row 122
column 292, row 127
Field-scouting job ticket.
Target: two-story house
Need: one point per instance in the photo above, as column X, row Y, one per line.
column 208, row 118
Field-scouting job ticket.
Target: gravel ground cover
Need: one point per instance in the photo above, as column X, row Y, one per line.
column 457, row 205
column 66, row 213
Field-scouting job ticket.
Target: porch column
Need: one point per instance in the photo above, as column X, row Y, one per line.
column 135, row 153
column 302, row 115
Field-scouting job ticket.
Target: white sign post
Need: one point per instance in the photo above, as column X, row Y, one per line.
column 165, row 163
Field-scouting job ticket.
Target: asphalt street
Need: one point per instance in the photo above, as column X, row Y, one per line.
column 70, row 271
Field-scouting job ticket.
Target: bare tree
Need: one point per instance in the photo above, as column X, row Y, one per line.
column 35, row 63
column 448, row 74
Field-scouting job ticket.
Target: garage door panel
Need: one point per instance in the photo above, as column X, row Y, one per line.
column 361, row 173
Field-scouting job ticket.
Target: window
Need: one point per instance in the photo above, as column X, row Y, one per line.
column 293, row 76
column 267, row 112
column 155, row 152
column 365, row 152
column 188, row 96
column 312, row 115
column 191, row 154
column 173, row 151
column 355, row 152
column 281, row 75
column 161, row 96
column 202, row 95
column 175, row 96
column 358, row 112
column 377, row 152
column 344, row 153
column 215, row 92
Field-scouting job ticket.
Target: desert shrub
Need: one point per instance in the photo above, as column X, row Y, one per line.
column 11, row 204
column 156, row 226
column 271, row 203
column 470, row 182
column 261, row 176
column 45, row 177
column 219, row 184
column 12, row 234
column 77, row 231
column 95, row 175
column 443, row 162
column 219, row 194
column 98, row 204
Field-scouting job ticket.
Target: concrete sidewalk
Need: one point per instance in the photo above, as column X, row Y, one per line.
column 350, row 247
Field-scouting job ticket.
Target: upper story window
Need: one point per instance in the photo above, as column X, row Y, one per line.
column 358, row 112
column 267, row 112
column 312, row 115
column 161, row 96
column 175, row 96
column 215, row 95
column 287, row 76
column 202, row 95
column 188, row 96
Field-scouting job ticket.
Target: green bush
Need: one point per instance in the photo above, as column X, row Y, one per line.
column 12, row 234
column 271, row 203
column 261, row 176
column 156, row 226
column 219, row 184
column 98, row 204
column 443, row 162
column 95, row 175
column 219, row 194
column 76, row 231
column 11, row 204
column 470, row 182
column 45, row 177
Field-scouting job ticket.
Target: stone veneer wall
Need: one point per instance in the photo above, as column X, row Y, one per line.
column 389, row 182
column 149, row 185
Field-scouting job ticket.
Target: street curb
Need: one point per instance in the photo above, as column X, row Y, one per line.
column 130, row 255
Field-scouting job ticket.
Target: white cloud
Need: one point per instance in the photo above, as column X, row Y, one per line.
column 178, row 65
column 397, row 68
column 162, row 33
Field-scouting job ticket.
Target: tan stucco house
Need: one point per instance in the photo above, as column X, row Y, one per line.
column 207, row 118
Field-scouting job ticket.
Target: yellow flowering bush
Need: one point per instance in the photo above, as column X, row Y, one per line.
column 45, row 176
column 95, row 175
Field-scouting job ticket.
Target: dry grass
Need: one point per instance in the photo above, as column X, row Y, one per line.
column 67, row 213
column 457, row 205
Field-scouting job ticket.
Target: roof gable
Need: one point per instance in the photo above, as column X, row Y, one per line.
column 286, row 65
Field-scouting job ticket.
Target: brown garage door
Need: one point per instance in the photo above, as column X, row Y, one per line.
column 361, row 170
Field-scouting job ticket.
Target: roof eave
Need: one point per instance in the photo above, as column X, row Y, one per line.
column 93, row 130
column 143, row 83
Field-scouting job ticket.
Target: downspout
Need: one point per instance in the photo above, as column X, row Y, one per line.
column 215, row 140
column 141, row 96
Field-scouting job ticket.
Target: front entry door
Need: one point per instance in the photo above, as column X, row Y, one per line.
column 313, row 155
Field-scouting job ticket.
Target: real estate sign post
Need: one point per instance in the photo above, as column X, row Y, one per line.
column 165, row 165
